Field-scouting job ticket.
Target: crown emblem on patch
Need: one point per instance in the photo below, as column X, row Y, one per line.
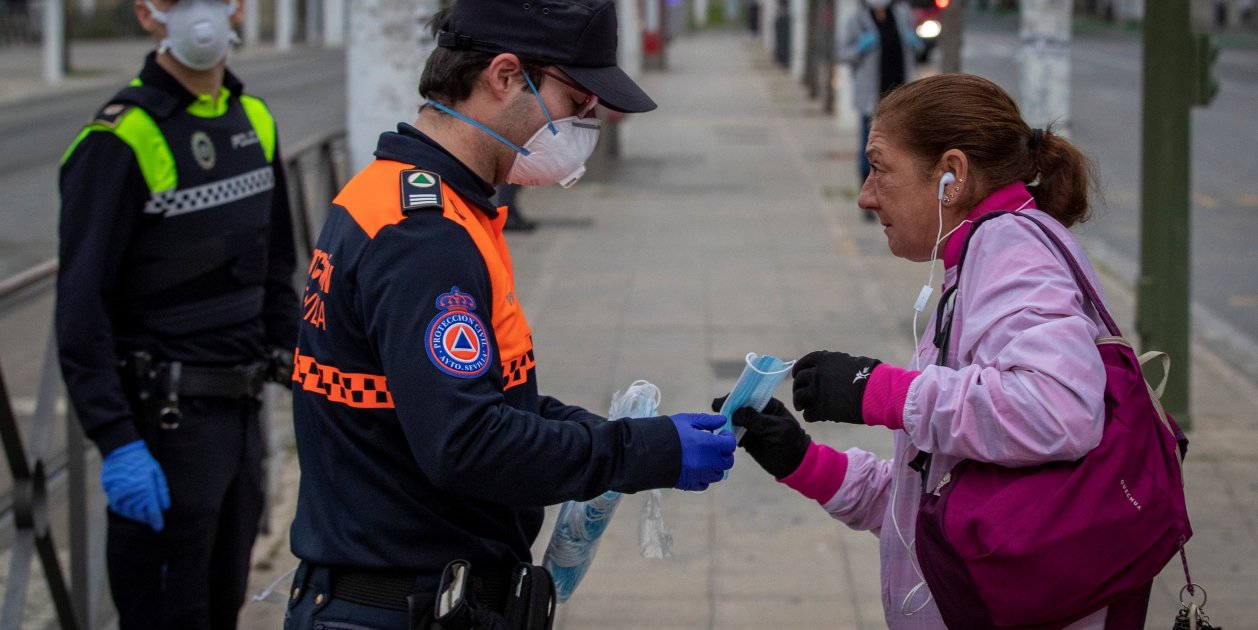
column 456, row 300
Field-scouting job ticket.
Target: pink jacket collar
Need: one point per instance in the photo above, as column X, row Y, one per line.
column 1008, row 198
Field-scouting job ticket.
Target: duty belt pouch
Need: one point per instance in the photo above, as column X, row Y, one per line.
column 531, row 600
column 456, row 607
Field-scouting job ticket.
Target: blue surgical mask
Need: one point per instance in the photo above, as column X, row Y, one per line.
column 754, row 387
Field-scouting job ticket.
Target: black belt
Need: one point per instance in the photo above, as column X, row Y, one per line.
column 241, row 381
column 155, row 379
column 390, row 589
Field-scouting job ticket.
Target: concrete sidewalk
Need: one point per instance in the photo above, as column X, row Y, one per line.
column 729, row 226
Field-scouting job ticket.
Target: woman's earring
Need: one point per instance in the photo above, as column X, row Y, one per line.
column 947, row 199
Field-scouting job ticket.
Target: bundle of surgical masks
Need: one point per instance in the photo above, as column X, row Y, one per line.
column 581, row 523
column 754, row 387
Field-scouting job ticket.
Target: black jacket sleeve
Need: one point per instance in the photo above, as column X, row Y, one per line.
column 102, row 195
column 552, row 409
column 462, row 434
column 280, row 311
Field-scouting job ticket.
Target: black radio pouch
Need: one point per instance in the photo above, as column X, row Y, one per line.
column 531, row 600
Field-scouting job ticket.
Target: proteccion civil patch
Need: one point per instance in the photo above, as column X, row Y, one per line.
column 455, row 340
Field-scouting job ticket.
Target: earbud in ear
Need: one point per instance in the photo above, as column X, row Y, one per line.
column 947, row 178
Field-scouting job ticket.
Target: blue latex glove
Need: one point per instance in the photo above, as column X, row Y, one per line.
column 866, row 42
column 135, row 484
column 704, row 456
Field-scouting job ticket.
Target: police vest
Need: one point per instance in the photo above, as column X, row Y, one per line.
column 198, row 260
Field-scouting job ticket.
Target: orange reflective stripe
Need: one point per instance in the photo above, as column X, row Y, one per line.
column 363, row 391
column 511, row 330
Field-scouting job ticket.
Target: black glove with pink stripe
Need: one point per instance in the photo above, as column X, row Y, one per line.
column 831, row 386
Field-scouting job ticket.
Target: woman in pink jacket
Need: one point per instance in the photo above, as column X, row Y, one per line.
column 1020, row 383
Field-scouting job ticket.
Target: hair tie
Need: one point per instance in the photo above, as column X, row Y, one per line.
column 1037, row 136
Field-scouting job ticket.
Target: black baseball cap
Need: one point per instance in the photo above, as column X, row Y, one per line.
column 577, row 36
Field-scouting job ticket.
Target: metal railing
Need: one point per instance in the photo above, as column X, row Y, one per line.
column 315, row 169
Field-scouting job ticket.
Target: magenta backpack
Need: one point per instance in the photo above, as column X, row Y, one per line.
column 1044, row 546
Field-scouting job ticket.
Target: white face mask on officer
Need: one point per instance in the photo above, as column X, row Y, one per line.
column 198, row 32
column 556, row 154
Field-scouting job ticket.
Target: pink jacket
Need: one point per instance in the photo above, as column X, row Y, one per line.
column 1023, row 384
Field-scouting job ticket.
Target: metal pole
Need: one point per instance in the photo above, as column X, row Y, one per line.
column 253, row 24
column 54, row 41
column 333, row 23
column 80, row 527
column 285, row 17
column 1166, row 176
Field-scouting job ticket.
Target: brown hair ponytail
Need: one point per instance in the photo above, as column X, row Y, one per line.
column 1066, row 179
column 966, row 112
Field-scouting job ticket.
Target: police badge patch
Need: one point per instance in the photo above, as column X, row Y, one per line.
column 455, row 340
column 421, row 189
column 203, row 150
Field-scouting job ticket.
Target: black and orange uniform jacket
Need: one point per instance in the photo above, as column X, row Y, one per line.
column 421, row 436
column 175, row 240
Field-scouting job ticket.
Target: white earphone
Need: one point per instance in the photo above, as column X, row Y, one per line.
column 922, row 298
column 947, row 178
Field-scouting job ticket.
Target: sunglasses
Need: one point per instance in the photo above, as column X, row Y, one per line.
column 586, row 109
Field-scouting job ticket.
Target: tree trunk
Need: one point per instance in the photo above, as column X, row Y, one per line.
column 952, row 21
column 1045, row 61
column 388, row 45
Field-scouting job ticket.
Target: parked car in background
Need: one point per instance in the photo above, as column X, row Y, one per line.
column 927, row 25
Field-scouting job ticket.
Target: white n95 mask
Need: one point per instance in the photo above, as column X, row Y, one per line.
column 198, row 32
column 556, row 154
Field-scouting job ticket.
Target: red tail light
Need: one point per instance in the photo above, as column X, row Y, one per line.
column 942, row 4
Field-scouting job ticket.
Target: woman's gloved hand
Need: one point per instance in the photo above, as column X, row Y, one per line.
column 831, row 386
column 135, row 484
column 773, row 437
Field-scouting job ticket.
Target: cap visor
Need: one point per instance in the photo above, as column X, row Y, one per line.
column 614, row 89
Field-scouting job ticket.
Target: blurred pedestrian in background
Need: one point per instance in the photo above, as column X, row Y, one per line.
column 879, row 44
column 1018, row 386
column 175, row 279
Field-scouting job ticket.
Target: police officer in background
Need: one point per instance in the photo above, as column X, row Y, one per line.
column 176, row 278
column 426, row 451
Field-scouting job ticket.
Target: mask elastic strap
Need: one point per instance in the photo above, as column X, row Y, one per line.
column 496, row 136
column 550, row 122
column 158, row 16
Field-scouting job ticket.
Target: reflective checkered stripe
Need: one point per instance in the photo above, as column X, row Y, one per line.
column 364, row 391
column 205, row 197
column 516, row 371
